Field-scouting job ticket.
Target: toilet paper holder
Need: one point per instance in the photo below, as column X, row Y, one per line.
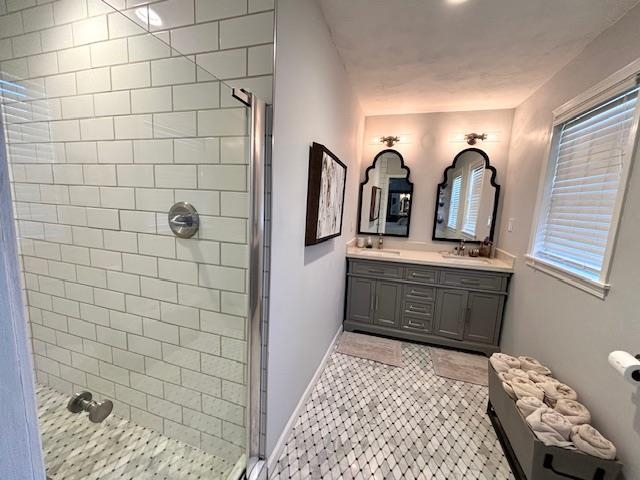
column 626, row 364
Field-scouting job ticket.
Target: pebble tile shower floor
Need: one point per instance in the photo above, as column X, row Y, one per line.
column 76, row 449
column 366, row 420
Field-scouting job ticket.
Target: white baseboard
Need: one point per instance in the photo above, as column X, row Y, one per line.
column 286, row 432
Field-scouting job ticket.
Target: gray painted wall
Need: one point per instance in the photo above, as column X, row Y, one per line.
column 430, row 149
column 21, row 456
column 313, row 102
column 571, row 331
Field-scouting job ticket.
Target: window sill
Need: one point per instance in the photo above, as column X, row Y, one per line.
column 592, row 287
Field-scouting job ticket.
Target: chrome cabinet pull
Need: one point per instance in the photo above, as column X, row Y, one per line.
column 415, row 309
column 467, row 281
column 420, row 275
column 376, row 308
column 417, row 293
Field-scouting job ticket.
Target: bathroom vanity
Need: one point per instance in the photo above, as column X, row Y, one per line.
column 427, row 296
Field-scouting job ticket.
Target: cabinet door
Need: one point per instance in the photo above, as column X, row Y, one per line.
column 451, row 306
column 387, row 304
column 361, row 296
column 483, row 314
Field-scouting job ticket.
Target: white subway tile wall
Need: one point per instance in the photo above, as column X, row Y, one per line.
column 107, row 126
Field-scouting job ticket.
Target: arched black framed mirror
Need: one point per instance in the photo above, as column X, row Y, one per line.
column 385, row 197
column 467, row 199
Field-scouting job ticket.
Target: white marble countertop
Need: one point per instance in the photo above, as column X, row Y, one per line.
column 436, row 259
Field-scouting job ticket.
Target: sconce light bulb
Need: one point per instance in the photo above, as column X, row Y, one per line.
column 390, row 140
column 472, row 138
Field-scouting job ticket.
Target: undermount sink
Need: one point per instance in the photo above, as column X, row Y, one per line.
column 451, row 256
column 379, row 253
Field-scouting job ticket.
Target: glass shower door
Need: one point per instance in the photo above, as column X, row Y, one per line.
column 111, row 117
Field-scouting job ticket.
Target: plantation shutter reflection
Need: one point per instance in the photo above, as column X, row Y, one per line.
column 587, row 177
column 456, row 188
column 472, row 210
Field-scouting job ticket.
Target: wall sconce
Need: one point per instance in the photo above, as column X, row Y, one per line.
column 472, row 138
column 390, row 140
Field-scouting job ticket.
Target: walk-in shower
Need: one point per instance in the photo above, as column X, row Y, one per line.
column 113, row 112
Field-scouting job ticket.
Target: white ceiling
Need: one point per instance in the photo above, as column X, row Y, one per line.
column 407, row 56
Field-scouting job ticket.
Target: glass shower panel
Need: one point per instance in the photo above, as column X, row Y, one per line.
column 111, row 117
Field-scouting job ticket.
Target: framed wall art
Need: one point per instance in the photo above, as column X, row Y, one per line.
column 325, row 195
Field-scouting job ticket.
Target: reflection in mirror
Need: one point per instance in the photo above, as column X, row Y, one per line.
column 467, row 199
column 385, row 197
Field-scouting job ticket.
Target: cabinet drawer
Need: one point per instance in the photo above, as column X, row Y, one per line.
column 417, row 317
column 419, row 293
column 417, row 309
column 381, row 270
column 421, row 274
column 471, row 280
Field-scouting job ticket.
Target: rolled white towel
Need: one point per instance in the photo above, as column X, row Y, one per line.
column 512, row 373
column 509, row 389
column 555, row 391
column 502, row 362
column 551, row 428
column 590, row 441
column 531, row 364
column 536, row 377
column 573, row 411
column 523, row 387
column 516, row 372
column 528, row 405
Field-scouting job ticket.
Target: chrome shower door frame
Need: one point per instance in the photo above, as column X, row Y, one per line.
column 256, row 465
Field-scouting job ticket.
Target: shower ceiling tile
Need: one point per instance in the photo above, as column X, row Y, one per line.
column 37, row 18
column 65, row 11
column 217, row 9
column 247, row 30
column 195, row 38
column 151, row 100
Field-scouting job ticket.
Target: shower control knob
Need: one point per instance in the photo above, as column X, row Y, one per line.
column 184, row 220
column 83, row 401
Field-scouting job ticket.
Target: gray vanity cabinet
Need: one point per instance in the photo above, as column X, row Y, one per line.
column 484, row 311
column 362, row 293
column 447, row 306
column 386, row 305
column 374, row 301
column 451, row 306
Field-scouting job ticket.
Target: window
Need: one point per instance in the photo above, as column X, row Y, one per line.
column 474, row 196
column 456, row 188
column 591, row 150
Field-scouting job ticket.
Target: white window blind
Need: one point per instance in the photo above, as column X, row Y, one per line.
column 456, row 187
column 474, row 195
column 580, row 205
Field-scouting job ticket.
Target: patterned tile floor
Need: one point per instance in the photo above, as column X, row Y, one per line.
column 76, row 449
column 366, row 420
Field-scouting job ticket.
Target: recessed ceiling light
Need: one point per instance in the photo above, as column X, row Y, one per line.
column 455, row 2
column 149, row 16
